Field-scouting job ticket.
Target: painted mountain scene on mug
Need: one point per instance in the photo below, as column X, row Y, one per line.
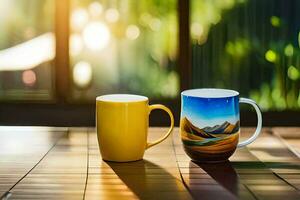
column 211, row 141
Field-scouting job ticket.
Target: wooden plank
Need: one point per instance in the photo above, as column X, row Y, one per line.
column 287, row 132
column 279, row 154
column 290, row 137
column 73, row 168
column 155, row 177
column 61, row 174
column 271, row 156
column 105, row 185
column 246, row 176
column 209, row 181
column 20, row 149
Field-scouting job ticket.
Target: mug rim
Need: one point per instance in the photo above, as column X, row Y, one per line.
column 214, row 93
column 122, row 98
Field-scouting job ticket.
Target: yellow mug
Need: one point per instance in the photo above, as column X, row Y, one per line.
column 122, row 122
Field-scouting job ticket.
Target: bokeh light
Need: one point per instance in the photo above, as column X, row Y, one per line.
column 76, row 44
column 95, row 9
column 293, row 73
column 82, row 74
column 289, row 50
column 145, row 19
column 238, row 48
column 122, row 35
column 299, row 39
column 196, row 30
column 79, row 18
column 29, row 77
column 112, row 15
column 96, row 35
column 275, row 21
column 132, row 32
column 155, row 24
column 271, row 56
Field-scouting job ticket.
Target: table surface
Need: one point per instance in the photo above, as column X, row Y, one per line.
column 64, row 163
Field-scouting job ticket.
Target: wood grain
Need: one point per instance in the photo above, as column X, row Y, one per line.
column 65, row 163
column 21, row 148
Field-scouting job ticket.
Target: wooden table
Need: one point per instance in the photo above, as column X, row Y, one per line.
column 64, row 163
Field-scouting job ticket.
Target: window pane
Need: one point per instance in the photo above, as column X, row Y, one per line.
column 126, row 46
column 251, row 46
column 27, row 49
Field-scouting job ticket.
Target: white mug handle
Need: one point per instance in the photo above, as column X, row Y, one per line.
column 259, row 122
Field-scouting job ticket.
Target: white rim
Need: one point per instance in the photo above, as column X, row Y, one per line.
column 210, row 93
column 125, row 98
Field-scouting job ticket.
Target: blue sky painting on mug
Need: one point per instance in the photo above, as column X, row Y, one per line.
column 211, row 114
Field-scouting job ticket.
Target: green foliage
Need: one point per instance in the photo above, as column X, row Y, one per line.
column 144, row 65
column 249, row 49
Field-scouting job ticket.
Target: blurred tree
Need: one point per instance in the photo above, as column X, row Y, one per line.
column 251, row 46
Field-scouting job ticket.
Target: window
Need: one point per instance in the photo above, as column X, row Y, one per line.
column 56, row 56
column 27, row 49
column 123, row 46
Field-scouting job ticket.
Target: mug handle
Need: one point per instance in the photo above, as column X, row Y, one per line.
column 162, row 107
column 259, row 122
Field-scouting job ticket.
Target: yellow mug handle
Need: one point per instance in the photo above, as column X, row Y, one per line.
column 162, row 107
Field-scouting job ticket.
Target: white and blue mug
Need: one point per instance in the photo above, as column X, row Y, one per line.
column 210, row 123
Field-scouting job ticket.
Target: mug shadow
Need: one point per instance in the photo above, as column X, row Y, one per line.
column 226, row 175
column 223, row 173
column 148, row 180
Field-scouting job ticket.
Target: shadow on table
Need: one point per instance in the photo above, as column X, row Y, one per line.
column 148, row 180
column 223, row 173
column 258, row 165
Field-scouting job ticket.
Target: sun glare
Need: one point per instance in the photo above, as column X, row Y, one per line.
column 95, row 9
column 79, row 18
column 96, row 35
column 76, row 44
column 82, row 74
column 112, row 15
column 28, row 54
